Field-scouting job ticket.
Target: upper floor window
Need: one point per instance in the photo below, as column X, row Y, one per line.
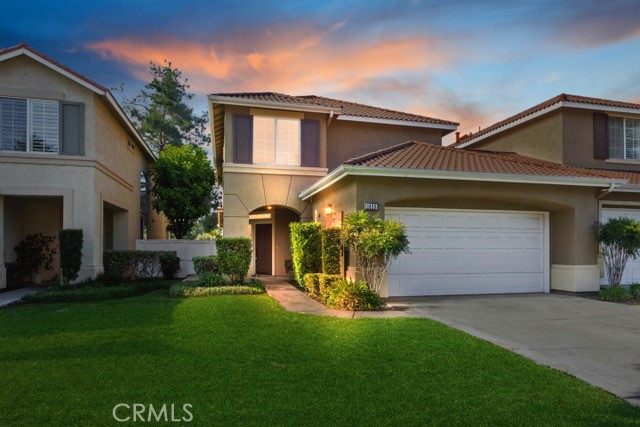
column 624, row 138
column 276, row 141
column 31, row 125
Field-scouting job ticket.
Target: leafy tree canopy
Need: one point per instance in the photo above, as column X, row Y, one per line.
column 182, row 185
column 161, row 114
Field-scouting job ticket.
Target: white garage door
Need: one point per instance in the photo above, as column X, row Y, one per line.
column 458, row 252
column 632, row 270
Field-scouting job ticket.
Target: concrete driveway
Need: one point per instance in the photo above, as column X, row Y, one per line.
column 596, row 341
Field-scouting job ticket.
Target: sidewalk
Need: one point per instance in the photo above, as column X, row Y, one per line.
column 292, row 299
column 10, row 297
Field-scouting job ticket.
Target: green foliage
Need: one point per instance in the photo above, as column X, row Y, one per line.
column 129, row 264
column 71, row 242
column 634, row 291
column 345, row 294
column 331, row 249
column 93, row 292
column 184, row 290
column 615, row 294
column 306, row 249
column 375, row 243
column 182, row 186
column 35, row 251
column 325, row 282
column 161, row 112
column 234, row 257
column 312, row 283
column 209, row 280
column 206, row 225
column 208, row 235
column 620, row 240
column 205, row 264
column 169, row 263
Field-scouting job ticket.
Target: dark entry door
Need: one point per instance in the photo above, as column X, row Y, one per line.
column 263, row 249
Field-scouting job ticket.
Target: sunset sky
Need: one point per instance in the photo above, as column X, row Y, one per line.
column 468, row 61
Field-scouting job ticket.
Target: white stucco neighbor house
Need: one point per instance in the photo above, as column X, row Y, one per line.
column 69, row 158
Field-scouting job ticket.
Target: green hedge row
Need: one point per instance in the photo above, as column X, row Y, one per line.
column 192, row 289
column 331, row 249
column 341, row 293
column 306, row 245
column 205, row 264
column 131, row 265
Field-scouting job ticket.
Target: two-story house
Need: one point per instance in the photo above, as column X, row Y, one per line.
column 69, row 158
column 507, row 217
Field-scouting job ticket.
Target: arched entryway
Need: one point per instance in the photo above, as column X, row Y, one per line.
column 271, row 240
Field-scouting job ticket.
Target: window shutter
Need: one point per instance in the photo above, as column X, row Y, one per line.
column 242, row 138
column 72, row 128
column 600, row 136
column 310, row 153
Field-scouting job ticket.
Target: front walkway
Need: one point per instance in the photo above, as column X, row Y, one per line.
column 292, row 299
column 10, row 297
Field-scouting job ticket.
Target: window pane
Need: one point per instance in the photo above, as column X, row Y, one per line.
column 632, row 137
column 13, row 124
column 288, row 142
column 264, row 140
column 45, row 128
column 616, row 138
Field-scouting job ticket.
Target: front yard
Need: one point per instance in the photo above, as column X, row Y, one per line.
column 242, row 360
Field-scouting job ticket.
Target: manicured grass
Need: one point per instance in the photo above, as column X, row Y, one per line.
column 242, row 360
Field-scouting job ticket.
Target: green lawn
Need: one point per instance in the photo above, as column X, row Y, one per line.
column 242, row 360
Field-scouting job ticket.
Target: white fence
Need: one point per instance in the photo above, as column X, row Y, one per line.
column 186, row 250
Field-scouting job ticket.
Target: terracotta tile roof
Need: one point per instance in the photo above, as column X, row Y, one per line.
column 343, row 107
column 56, row 63
column 423, row 155
column 548, row 103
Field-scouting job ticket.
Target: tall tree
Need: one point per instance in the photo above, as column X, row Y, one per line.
column 182, row 181
column 160, row 111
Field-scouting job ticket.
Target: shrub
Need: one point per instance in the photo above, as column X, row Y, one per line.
column 306, row 245
column 331, row 250
column 620, row 240
column 312, row 283
column 614, row 294
column 185, row 290
column 169, row 263
column 205, row 264
column 634, row 291
column 375, row 243
column 129, row 265
column 71, row 242
column 234, row 257
column 209, row 280
column 35, row 251
column 325, row 282
column 345, row 294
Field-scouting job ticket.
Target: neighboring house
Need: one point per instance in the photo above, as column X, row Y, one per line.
column 69, row 158
column 515, row 216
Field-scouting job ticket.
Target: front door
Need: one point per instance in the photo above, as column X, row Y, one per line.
column 263, row 249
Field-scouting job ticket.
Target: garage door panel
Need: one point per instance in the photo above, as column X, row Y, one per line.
column 470, row 252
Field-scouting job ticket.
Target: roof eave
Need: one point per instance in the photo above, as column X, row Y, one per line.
column 442, row 126
column 230, row 100
column 357, row 170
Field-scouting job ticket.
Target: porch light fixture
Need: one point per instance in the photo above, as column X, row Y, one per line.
column 269, row 207
column 328, row 210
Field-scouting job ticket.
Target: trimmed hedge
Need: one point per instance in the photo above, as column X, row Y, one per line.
column 345, row 294
column 130, row 265
column 234, row 257
column 306, row 249
column 331, row 250
column 185, row 290
column 205, row 264
column 71, row 242
column 209, row 280
column 325, row 282
column 312, row 283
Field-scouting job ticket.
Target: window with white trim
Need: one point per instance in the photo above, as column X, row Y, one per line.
column 624, row 138
column 29, row 125
column 276, row 141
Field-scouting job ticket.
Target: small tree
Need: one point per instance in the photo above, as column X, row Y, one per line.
column 375, row 243
column 182, row 186
column 620, row 240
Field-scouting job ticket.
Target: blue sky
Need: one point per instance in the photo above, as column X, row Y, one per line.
column 469, row 61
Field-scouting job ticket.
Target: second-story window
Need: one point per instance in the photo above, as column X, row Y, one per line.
column 276, row 141
column 624, row 138
column 31, row 125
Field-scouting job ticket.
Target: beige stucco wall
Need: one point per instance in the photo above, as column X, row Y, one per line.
column 540, row 138
column 108, row 172
column 347, row 139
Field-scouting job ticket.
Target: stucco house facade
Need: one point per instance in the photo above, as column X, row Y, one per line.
column 510, row 209
column 69, row 158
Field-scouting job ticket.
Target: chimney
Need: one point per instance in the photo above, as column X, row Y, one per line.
column 457, row 136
